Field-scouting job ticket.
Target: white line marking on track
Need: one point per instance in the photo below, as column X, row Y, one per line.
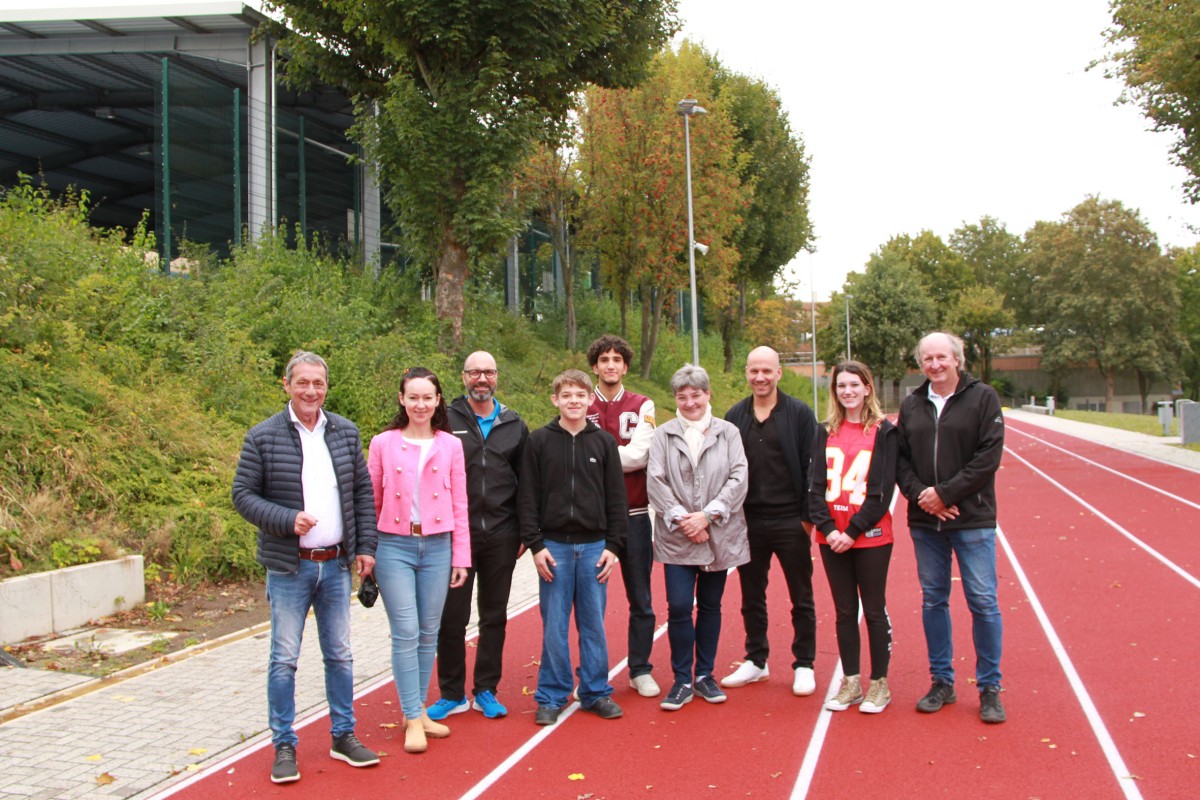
column 1115, row 762
column 1119, row 474
column 507, row 764
column 1157, row 555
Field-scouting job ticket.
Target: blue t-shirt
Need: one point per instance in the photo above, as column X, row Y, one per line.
column 486, row 423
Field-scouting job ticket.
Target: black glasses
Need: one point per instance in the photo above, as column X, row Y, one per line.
column 474, row 374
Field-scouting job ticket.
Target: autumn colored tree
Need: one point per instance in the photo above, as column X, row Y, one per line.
column 450, row 98
column 635, row 203
column 1104, row 294
column 1156, row 58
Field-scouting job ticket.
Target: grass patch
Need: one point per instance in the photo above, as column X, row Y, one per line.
column 1138, row 423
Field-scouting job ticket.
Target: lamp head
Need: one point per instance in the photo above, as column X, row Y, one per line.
column 689, row 108
column 701, row 248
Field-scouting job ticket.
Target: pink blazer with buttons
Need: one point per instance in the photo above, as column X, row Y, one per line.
column 393, row 462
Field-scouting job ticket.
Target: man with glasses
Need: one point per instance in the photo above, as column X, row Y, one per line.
column 493, row 437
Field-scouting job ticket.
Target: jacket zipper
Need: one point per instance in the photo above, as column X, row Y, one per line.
column 572, row 514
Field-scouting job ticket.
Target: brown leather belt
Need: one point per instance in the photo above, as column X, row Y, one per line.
column 321, row 553
column 416, row 529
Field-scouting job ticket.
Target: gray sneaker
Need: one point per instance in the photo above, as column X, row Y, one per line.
column 348, row 748
column 679, row 696
column 285, row 770
column 991, row 710
column 707, row 688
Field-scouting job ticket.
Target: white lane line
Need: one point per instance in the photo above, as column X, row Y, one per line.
column 264, row 739
column 1119, row 474
column 507, row 764
column 1159, row 556
column 1116, row 763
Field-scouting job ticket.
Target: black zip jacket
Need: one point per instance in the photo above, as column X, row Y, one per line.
column 572, row 489
column 493, row 467
column 881, row 482
column 957, row 453
column 797, row 427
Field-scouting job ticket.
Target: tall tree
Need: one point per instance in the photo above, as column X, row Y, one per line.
column 980, row 318
column 451, row 96
column 549, row 186
column 1187, row 263
column 889, row 310
column 1104, row 294
column 943, row 271
column 632, row 158
column 1156, row 58
column 993, row 255
column 776, row 224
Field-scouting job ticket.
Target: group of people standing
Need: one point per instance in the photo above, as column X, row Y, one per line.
column 451, row 495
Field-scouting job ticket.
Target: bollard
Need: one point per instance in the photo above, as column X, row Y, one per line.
column 1189, row 423
column 1050, row 405
column 1165, row 415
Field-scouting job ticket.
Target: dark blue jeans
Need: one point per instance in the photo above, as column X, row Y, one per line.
column 575, row 588
column 693, row 643
column 636, row 564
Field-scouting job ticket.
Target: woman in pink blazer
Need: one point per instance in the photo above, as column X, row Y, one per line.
column 420, row 481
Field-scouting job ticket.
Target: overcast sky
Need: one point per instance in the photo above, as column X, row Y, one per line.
column 927, row 113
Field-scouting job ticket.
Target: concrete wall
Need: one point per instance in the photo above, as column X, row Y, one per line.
column 50, row 602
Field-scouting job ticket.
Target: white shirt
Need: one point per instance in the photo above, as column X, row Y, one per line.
column 938, row 401
column 425, row 445
column 322, row 498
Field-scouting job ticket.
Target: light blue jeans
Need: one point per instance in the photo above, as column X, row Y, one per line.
column 574, row 587
column 325, row 587
column 413, row 573
column 975, row 549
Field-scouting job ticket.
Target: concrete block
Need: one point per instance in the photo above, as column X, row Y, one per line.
column 90, row 591
column 25, row 607
column 1189, row 423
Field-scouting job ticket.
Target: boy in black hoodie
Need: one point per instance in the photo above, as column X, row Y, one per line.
column 573, row 515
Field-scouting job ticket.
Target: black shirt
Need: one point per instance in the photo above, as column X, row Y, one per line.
column 772, row 493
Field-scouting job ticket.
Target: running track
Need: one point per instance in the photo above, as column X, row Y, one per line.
column 1100, row 586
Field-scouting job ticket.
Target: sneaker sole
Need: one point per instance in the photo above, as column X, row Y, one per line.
column 927, row 710
column 717, row 699
column 728, row 684
column 343, row 757
column 665, row 706
column 489, row 715
column 461, row 708
column 831, row 706
column 288, row 779
column 657, row 690
column 871, row 708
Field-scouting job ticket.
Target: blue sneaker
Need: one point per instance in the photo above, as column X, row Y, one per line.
column 487, row 703
column 444, row 708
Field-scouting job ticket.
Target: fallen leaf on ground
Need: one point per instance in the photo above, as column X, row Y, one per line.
column 95, row 757
column 389, row 725
column 575, row 776
column 104, row 779
column 1138, row 714
column 197, row 751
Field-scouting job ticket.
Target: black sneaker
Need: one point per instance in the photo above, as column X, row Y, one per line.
column 547, row 715
column 679, row 696
column 348, row 748
column 941, row 693
column 707, row 688
column 284, row 770
column 605, row 708
column 991, row 710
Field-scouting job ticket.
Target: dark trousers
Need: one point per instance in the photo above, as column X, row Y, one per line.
column 494, row 559
column 792, row 547
column 861, row 572
column 693, row 642
column 636, row 563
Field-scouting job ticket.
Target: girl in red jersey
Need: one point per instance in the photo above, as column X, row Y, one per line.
column 849, row 501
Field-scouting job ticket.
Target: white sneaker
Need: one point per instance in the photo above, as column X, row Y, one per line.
column 645, row 685
column 805, row 682
column 747, row 672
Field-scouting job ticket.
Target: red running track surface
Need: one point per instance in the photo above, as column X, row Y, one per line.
column 1126, row 623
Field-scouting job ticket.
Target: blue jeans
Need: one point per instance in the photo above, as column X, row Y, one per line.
column 324, row 587
column 636, row 563
column 687, row 585
column 413, row 573
column 574, row 587
column 975, row 549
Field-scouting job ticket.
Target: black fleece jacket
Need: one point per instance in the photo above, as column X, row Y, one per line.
column 572, row 489
column 493, row 468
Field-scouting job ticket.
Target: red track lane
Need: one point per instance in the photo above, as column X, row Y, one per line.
column 1126, row 620
column 1164, row 523
column 754, row 744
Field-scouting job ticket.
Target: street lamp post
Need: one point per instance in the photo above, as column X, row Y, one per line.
column 688, row 108
column 848, row 356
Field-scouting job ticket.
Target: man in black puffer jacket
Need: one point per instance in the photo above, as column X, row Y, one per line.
column 303, row 482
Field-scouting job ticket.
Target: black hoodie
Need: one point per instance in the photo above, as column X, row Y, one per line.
column 572, row 489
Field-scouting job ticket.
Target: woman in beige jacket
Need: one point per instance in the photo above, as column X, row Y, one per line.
column 696, row 480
